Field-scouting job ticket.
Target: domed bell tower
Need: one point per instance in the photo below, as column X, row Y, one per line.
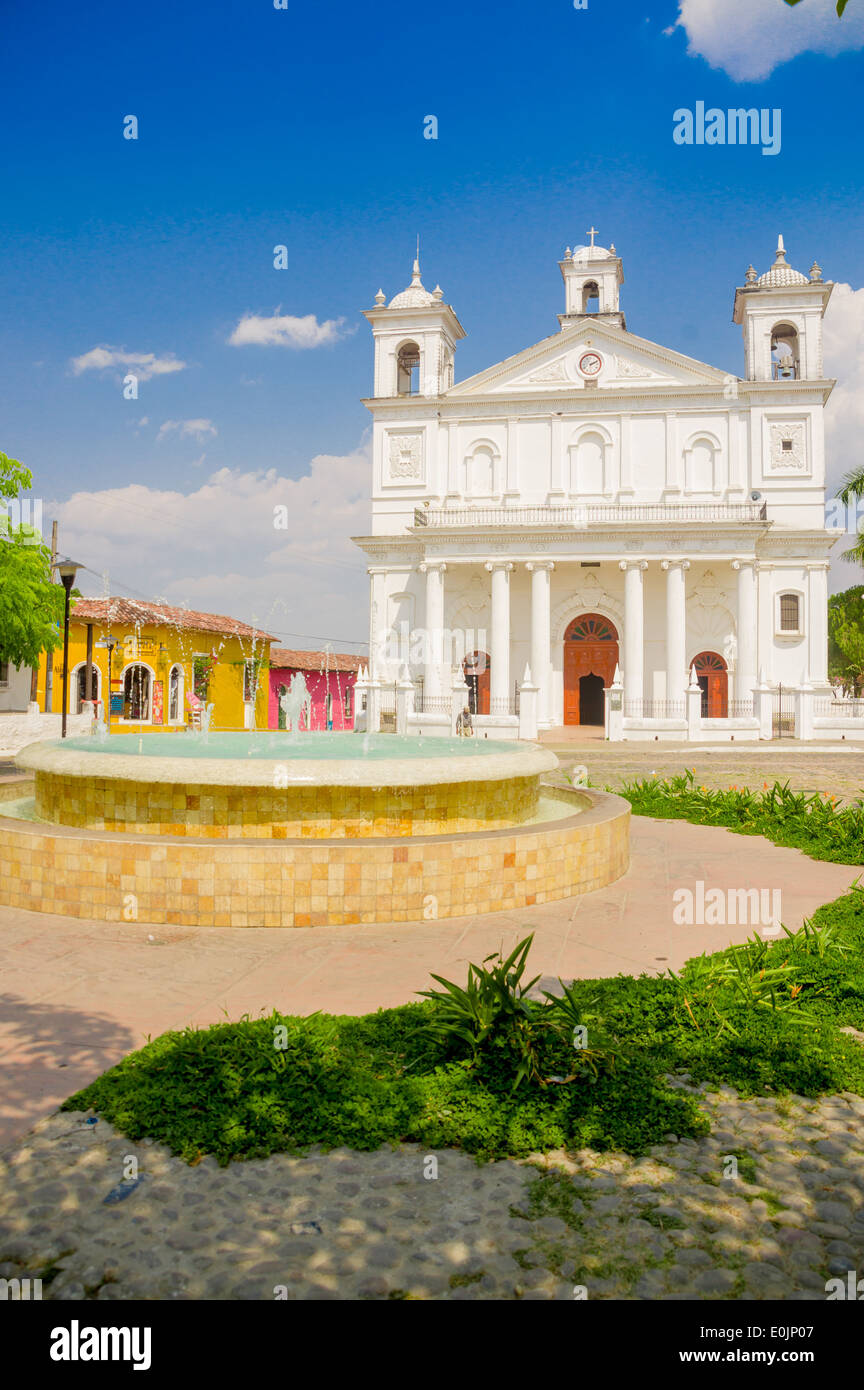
column 592, row 278
column 415, row 341
column 781, row 315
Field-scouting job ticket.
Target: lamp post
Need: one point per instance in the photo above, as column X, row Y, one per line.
column 67, row 571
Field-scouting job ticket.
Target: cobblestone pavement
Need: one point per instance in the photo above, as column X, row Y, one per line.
column 840, row 772
column 346, row 1225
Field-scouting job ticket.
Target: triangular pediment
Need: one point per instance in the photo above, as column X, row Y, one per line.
column 557, row 364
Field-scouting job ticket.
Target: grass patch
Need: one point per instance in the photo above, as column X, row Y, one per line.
column 809, row 821
column 419, row 1074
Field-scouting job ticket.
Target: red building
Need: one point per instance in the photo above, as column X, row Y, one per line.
column 329, row 677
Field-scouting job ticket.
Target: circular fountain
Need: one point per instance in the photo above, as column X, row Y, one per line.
column 275, row 786
column 287, row 829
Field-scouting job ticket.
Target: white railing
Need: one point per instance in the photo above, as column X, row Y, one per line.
column 655, row 709
column 580, row 517
column 838, row 709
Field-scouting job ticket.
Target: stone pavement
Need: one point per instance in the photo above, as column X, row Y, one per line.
column 76, row 996
column 836, row 768
column 769, row 1206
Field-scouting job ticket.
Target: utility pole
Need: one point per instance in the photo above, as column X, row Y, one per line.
column 49, row 656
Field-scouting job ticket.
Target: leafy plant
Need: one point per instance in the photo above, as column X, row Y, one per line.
column 492, row 1007
column 841, row 5
column 809, row 821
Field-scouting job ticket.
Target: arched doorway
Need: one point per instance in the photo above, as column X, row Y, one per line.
column 136, row 694
column 476, row 670
column 80, row 686
column 713, row 678
column 590, row 658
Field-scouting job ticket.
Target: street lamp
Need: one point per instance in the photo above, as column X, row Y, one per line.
column 67, row 570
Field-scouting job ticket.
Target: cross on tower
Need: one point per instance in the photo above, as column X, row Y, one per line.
column 592, row 233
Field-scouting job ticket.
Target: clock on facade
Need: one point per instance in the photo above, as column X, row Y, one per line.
column 590, row 363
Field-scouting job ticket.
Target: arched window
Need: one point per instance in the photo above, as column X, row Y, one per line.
column 136, row 694
column 408, row 370
column 588, row 465
column 80, row 686
column 591, row 297
column 699, row 466
column 785, row 353
column 790, row 613
column 591, row 627
column 480, row 478
column 175, row 695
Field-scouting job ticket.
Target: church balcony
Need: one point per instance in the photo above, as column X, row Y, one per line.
column 581, row 517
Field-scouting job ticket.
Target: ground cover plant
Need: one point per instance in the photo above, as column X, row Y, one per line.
column 494, row 1069
column 810, row 821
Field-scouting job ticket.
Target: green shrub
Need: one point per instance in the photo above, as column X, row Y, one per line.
column 403, row 1075
column 809, row 821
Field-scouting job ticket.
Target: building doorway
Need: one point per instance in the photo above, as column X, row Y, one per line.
column 591, row 709
column 81, row 686
column 590, row 658
column 713, row 678
column 136, row 694
column 475, row 668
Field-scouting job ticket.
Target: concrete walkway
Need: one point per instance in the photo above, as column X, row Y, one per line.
column 76, row 996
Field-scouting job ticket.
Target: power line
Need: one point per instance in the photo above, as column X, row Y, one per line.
column 299, row 636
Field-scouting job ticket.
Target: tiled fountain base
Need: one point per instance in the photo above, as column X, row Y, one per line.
column 113, row 876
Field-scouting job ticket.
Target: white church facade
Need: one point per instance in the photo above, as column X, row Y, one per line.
column 637, row 534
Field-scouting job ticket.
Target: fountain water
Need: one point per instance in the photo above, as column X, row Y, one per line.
column 206, row 721
column 293, row 702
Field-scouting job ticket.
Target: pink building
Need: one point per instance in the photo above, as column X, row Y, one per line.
column 329, row 677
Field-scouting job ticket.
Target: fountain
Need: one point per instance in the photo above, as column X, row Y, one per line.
column 295, row 700
column 283, row 829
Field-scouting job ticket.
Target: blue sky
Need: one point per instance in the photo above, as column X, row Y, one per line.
column 304, row 127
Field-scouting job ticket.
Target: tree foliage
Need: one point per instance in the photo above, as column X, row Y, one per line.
column 31, row 607
column 841, row 4
column 846, row 637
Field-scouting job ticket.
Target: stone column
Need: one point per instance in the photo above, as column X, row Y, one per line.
column 634, row 632
column 527, row 707
column 434, row 571
column 615, row 709
column 499, row 652
column 377, row 619
column 694, row 708
column 541, row 655
column 817, row 624
column 748, row 633
column 676, row 628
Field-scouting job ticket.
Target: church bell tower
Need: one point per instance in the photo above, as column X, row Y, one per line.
column 592, row 278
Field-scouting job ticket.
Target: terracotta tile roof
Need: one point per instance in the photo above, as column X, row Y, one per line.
column 284, row 658
column 132, row 610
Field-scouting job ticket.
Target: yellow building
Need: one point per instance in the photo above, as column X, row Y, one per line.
column 154, row 667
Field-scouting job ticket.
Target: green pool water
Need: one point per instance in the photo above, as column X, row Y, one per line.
column 285, row 746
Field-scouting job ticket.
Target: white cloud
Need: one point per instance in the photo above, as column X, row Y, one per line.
column 748, row 39
column 187, row 429
column 216, row 548
column 843, row 352
column 146, row 364
column 283, row 330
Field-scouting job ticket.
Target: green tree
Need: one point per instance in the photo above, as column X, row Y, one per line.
column 31, row 607
column 852, row 491
column 846, row 637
